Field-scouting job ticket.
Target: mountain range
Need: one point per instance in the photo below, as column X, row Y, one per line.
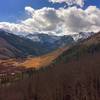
column 14, row 46
column 73, row 75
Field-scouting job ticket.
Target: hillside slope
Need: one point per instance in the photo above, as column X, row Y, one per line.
column 44, row 60
column 13, row 46
column 89, row 46
column 74, row 75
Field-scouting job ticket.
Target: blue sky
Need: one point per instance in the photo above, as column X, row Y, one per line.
column 11, row 10
column 14, row 9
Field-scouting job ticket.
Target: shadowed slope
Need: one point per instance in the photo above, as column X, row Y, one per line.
column 13, row 46
column 74, row 75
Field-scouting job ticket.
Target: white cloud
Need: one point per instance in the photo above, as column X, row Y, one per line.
column 70, row 2
column 57, row 21
column 29, row 10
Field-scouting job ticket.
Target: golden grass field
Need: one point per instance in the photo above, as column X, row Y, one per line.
column 41, row 61
column 34, row 62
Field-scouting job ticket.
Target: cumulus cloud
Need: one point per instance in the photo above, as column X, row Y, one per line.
column 57, row 21
column 70, row 2
column 29, row 10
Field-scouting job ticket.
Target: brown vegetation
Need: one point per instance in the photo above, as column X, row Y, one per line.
column 76, row 80
column 75, row 75
column 34, row 62
column 41, row 61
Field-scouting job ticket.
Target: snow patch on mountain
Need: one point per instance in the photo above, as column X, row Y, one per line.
column 82, row 35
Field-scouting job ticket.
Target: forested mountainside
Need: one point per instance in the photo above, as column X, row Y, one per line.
column 74, row 75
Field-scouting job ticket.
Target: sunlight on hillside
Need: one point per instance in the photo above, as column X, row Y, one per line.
column 34, row 62
column 42, row 60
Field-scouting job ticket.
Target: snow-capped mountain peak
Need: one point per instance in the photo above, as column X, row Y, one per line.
column 82, row 35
